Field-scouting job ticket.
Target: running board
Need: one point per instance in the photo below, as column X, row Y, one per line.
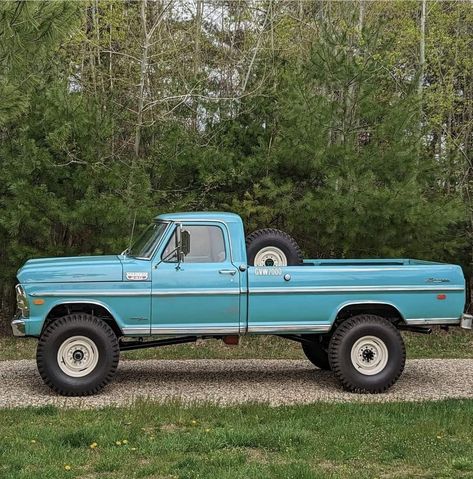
column 298, row 339
column 414, row 329
column 132, row 345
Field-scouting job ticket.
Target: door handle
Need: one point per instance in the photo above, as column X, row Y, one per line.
column 228, row 271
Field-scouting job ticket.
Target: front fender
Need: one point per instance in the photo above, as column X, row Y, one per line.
column 129, row 303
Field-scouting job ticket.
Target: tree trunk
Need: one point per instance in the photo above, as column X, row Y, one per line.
column 143, row 73
column 197, row 60
column 422, row 49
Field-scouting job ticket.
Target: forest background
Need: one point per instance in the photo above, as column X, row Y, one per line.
column 347, row 124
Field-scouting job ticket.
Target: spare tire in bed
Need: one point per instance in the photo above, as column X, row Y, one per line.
column 272, row 247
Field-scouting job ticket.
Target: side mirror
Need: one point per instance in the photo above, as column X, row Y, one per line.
column 182, row 248
column 185, row 242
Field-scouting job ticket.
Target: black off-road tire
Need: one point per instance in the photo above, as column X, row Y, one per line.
column 317, row 354
column 340, row 348
column 263, row 238
column 61, row 329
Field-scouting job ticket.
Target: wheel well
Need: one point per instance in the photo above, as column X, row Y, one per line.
column 95, row 310
column 384, row 310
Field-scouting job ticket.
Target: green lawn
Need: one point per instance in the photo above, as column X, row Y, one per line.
column 396, row 440
column 454, row 344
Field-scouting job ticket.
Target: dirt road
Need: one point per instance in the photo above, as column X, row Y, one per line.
column 275, row 382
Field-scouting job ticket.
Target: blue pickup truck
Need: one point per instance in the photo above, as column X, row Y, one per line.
column 196, row 275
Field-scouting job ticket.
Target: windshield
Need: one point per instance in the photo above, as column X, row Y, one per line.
column 144, row 246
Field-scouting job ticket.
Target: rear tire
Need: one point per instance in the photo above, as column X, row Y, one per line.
column 367, row 354
column 77, row 355
column 272, row 247
column 317, row 354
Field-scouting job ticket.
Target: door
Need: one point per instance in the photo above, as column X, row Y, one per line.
column 199, row 295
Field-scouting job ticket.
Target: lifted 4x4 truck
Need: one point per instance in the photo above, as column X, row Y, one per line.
column 195, row 275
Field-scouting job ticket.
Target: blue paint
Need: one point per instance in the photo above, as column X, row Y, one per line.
column 197, row 296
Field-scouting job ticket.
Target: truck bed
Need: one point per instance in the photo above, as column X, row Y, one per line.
column 419, row 292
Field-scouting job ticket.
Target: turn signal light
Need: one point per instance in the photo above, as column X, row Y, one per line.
column 38, row 301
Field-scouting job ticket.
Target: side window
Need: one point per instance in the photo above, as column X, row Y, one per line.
column 207, row 245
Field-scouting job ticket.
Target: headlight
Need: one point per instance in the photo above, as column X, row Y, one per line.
column 22, row 301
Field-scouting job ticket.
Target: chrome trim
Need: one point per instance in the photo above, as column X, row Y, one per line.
column 195, row 292
column 18, row 327
column 433, row 321
column 94, row 292
column 22, row 301
column 184, row 330
column 161, row 292
column 139, row 330
column 350, row 289
column 293, row 327
column 228, row 271
column 158, row 244
column 466, row 321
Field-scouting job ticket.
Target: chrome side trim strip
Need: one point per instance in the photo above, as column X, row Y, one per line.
column 324, row 327
column 433, row 321
column 257, row 290
column 159, row 292
column 84, row 292
column 350, row 289
column 183, row 330
column 195, row 292
column 229, row 329
column 94, row 292
column 138, row 330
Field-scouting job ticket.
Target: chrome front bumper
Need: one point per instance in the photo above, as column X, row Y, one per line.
column 18, row 327
column 466, row 321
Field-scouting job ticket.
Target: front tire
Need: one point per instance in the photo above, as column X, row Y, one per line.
column 367, row 354
column 77, row 355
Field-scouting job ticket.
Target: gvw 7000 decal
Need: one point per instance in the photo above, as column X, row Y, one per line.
column 268, row 271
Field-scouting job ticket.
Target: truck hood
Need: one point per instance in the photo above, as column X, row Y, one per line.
column 73, row 269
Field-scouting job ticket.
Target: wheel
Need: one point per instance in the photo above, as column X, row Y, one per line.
column 367, row 354
column 316, row 353
column 271, row 247
column 77, row 355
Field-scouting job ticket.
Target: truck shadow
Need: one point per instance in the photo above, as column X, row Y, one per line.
column 235, row 381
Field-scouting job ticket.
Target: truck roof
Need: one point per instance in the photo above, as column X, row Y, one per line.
column 203, row 215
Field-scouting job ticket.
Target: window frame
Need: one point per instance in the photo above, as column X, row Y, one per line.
column 158, row 242
column 221, row 227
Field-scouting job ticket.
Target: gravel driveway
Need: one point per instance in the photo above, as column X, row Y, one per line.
column 236, row 381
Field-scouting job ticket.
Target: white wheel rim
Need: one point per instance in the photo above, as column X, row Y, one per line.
column 369, row 355
column 270, row 256
column 77, row 356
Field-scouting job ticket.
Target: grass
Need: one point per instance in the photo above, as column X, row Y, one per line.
column 454, row 344
column 395, row 440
